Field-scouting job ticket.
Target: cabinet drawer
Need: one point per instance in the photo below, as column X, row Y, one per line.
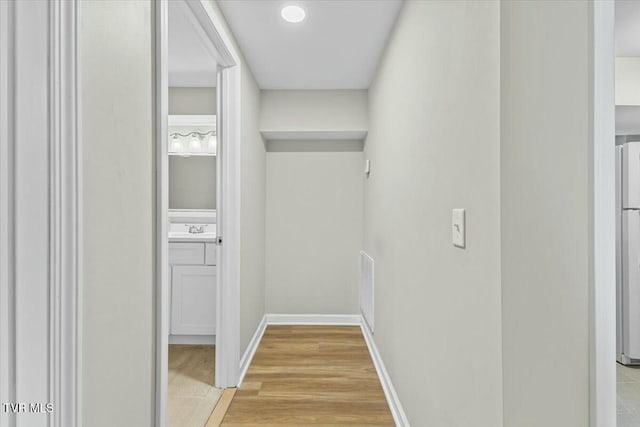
column 210, row 253
column 186, row 253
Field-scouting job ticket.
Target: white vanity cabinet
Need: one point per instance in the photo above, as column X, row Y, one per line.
column 193, row 288
column 193, row 300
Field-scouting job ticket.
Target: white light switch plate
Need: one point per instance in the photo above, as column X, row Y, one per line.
column 457, row 228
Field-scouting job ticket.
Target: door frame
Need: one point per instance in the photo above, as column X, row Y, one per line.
column 602, row 283
column 40, row 210
column 227, row 365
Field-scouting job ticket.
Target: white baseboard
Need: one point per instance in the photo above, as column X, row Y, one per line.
column 192, row 339
column 247, row 357
column 314, row 319
column 395, row 406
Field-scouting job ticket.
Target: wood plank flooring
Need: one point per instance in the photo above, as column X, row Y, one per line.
column 310, row 376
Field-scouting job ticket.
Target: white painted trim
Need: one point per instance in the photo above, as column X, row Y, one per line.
column 192, row 120
column 314, row 319
column 33, row 255
column 229, row 150
column 162, row 274
column 602, row 289
column 64, row 212
column 229, row 133
column 315, row 135
column 7, row 184
column 399, row 416
column 229, row 184
column 192, row 339
column 228, row 227
column 40, row 322
column 204, row 38
column 79, row 221
column 247, row 357
column 199, row 216
column 214, row 29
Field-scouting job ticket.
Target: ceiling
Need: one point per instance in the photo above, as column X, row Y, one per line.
column 192, row 57
column 337, row 46
column 627, row 28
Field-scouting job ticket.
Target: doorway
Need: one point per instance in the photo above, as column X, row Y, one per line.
column 627, row 147
column 197, row 233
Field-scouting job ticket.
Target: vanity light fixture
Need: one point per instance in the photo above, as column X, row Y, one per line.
column 211, row 144
column 293, row 14
column 186, row 144
column 176, row 144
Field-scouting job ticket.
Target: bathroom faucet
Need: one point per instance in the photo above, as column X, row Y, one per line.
column 195, row 229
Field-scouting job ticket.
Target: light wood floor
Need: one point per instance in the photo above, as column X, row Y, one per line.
column 310, row 375
column 191, row 394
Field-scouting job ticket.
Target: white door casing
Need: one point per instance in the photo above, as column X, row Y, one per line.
column 602, row 277
column 227, row 363
column 7, row 336
column 40, row 216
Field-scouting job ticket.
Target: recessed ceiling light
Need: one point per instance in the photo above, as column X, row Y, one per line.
column 293, row 14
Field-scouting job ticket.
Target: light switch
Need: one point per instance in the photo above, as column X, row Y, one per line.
column 457, row 228
column 367, row 168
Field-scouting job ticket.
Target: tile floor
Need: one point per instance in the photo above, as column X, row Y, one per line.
column 192, row 395
column 628, row 379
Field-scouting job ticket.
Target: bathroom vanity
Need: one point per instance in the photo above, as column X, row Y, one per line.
column 192, row 229
column 192, row 261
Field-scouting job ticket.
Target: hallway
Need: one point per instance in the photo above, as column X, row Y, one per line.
column 428, row 183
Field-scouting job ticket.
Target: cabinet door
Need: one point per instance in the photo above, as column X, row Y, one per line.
column 210, row 254
column 193, row 300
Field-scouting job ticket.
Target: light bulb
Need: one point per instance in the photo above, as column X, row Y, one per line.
column 211, row 144
column 293, row 14
column 194, row 143
column 176, row 144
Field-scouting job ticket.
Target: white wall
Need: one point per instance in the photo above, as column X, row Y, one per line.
column 545, row 192
column 314, row 201
column 192, row 100
column 192, row 182
column 433, row 142
column 118, row 161
column 253, row 194
column 627, row 81
column 314, row 232
column 118, row 307
column 313, row 110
